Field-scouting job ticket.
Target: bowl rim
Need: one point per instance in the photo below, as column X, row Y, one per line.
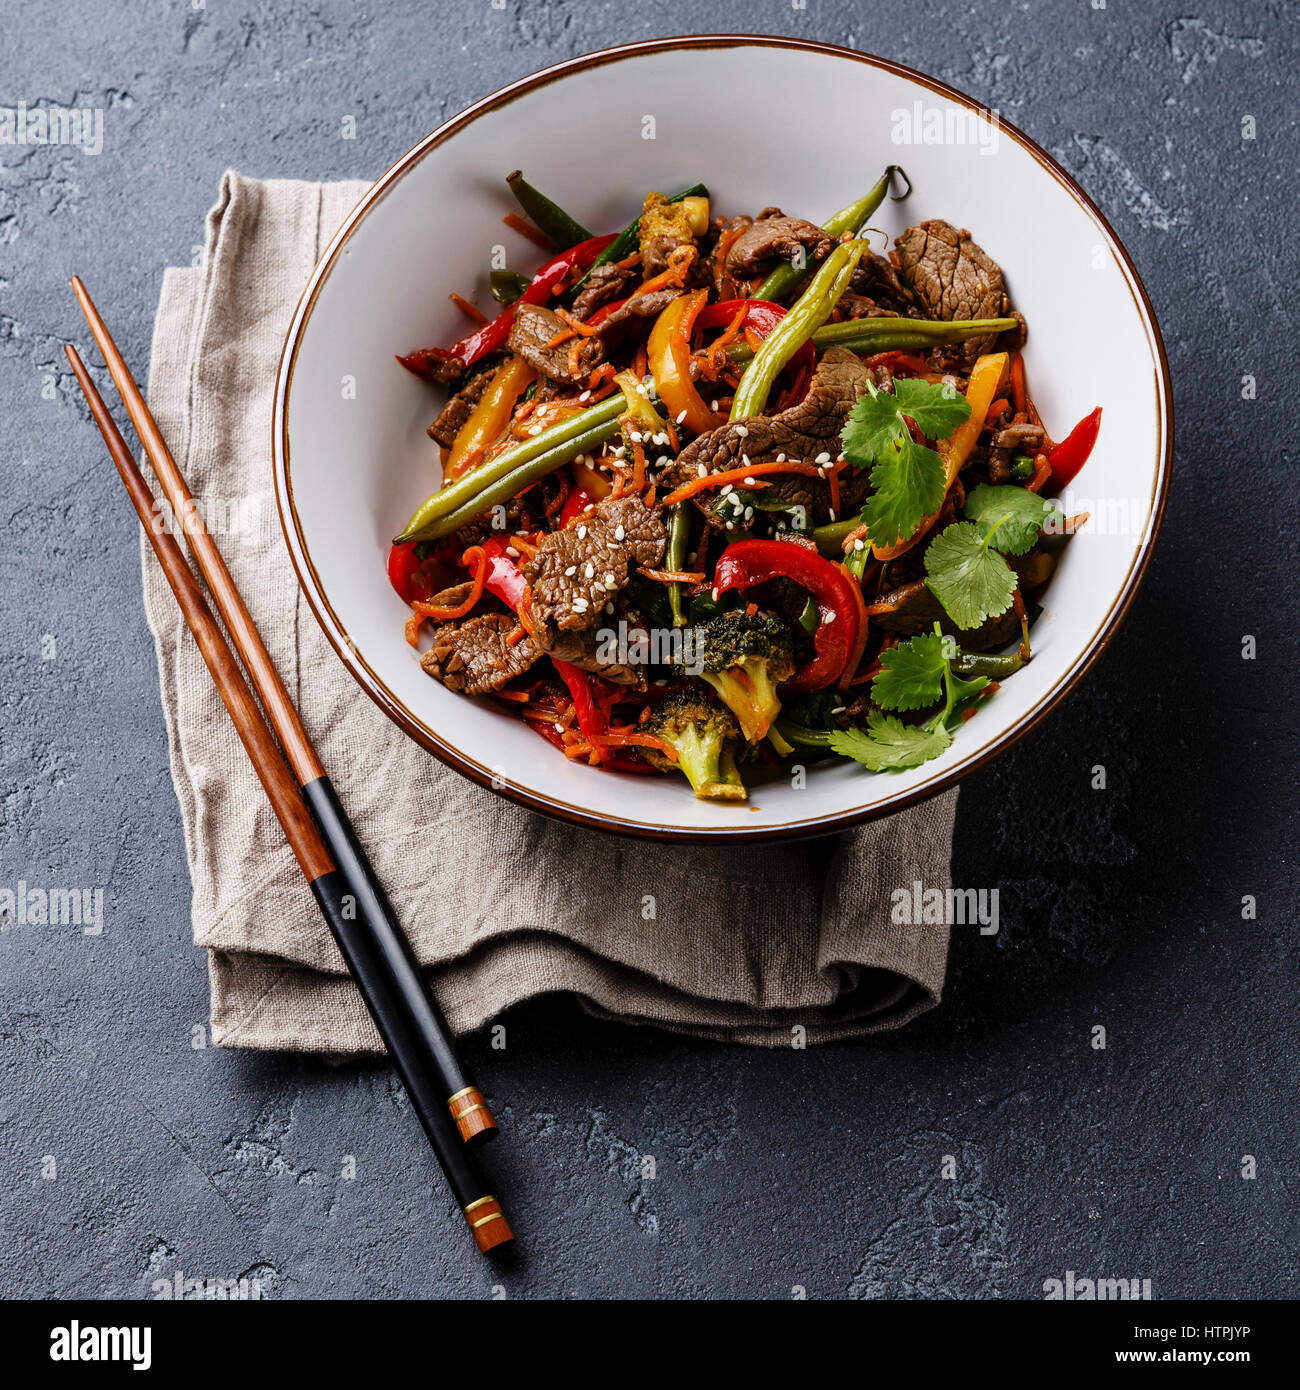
column 393, row 707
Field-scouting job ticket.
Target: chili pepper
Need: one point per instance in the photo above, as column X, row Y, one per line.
column 561, row 230
column 748, row 563
column 628, row 239
column 849, row 219
column 493, row 335
column 1072, row 452
column 810, row 313
column 507, row 285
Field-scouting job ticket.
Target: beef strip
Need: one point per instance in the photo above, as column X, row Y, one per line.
column 952, row 278
column 474, row 657
column 533, row 329
column 460, row 407
column 606, row 284
column 641, row 306
column 502, row 520
column 876, row 291
column 578, row 570
column 583, row 649
column 804, row 432
column 776, row 238
column 1023, row 438
column 917, row 610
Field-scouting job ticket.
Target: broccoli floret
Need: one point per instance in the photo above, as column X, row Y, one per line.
column 705, row 736
column 745, row 658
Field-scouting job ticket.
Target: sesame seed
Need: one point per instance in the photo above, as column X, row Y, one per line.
column 642, row 392
column 598, row 586
column 715, row 594
column 681, row 418
column 609, row 608
column 749, row 482
column 840, row 709
column 713, row 405
column 823, row 457
column 582, row 532
column 831, row 511
column 511, row 551
column 662, row 460
column 619, row 532
column 749, row 513
column 744, row 458
column 857, row 544
column 610, row 581
column 702, row 470
column 572, row 570
column 634, row 436
column 590, row 571
column 586, row 396
column 726, row 488
column 742, row 431
column 780, row 458
column 534, row 429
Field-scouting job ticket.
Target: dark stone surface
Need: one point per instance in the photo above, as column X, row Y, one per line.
column 821, row 1169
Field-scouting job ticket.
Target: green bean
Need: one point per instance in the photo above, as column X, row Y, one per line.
column 561, row 230
column 465, row 489
column 507, row 285
column 628, row 239
column 808, row 315
column 810, row 616
column 679, row 536
column 803, row 737
column 830, row 539
column 968, row 664
column 849, row 219
column 508, row 485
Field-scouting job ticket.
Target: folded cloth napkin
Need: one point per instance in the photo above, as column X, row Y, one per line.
column 736, row 944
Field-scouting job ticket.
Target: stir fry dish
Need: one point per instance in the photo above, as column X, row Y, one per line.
column 723, row 491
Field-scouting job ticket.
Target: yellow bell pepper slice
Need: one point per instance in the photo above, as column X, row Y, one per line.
column 490, row 417
column 668, row 352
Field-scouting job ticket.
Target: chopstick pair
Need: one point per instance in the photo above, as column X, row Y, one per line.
column 449, row 1104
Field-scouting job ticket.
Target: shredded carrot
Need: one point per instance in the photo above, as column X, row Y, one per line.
column 628, row 261
column 575, row 360
column 733, row 475
column 1042, row 471
column 526, row 611
column 732, row 330
column 585, row 329
column 471, row 311
column 638, row 361
column 522, row 543
column 562, row 336
column 526, row 229
column 1072, row 523
column 521, row 697
column 751, row 609
column 1018, row 382
column 875, row 609
column 621, row 738
column 1019, row 606
column 753, row 340
column 860, row 642
column 675, row 576
column 413, row 624
column 857, row 534
column 679, row 263
column 605, row 372
column 996, row 409
column 473, row 556
column 515, row 636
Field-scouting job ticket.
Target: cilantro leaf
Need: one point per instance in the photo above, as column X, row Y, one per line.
column 873, row 424
column 912, row 675
column 909, row 479
column 1016, row 514
column 890, row 745
column 967, row 576
column 937, row 409
column 910, row 483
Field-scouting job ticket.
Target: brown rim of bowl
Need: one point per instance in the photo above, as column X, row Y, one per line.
column 403, row 718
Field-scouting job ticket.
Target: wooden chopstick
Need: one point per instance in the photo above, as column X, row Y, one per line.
column 461, row 1093
column 363, row 949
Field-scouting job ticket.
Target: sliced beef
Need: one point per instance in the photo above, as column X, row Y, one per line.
column 803, row 432
column 1014, row 439
column 641, row 306
column 578, row 570
column 534, row 327
column 582, row 649
column 776, row 238
column 502, row 520
column 460, row 407
column 917, row 610
column 606, row 284
column 877, row 291
column 952, row 277
column 474, row 657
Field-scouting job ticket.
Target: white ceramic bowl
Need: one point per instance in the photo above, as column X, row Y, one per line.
column 719, row 110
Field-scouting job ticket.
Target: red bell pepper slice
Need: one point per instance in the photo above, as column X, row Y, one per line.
column 747, row 563
column 1072, row 452
column 762, row 316
column 577, row 500
column 409, row 575
column 493, row 335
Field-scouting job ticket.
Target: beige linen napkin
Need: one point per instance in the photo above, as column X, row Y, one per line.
column 736, row 944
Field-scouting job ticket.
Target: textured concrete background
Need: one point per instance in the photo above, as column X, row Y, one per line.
column 127, row 1154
